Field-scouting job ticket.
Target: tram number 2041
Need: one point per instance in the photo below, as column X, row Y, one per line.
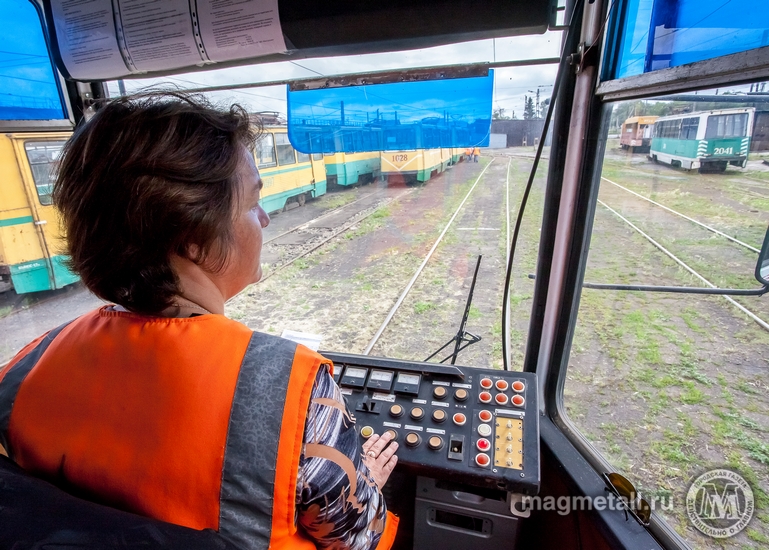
column 723, row 151
column 400, row 158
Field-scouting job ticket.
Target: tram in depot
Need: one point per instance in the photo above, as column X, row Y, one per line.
column 288, row 175
column 708, row 141
column 345, row 169
column 31, row 244
column 636, row 133
column 566, row 345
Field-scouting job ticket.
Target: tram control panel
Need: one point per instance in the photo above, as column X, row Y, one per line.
column 470, row 425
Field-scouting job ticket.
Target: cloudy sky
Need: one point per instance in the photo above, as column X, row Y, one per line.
column 510, row 85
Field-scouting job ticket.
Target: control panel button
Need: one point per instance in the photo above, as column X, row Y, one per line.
column 439, row 392
column 396, row 411
column 518, row 400
column 393, row 434
column 484, row 430
column 482, row 460
column 460, row 395
column 366, row 431
column 459, row 419
column 486, row 383
column 518, row 386
column 483, row 445
column 485, row 397
column 439, row 415
column 501, row 385
column 435, row 442
column 413, row 439
column 485, row 416
column 417, row 413
column 501, row 399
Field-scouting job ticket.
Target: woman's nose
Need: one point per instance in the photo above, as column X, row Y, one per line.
column 264, row 217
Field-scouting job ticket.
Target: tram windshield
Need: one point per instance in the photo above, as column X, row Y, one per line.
column 384, row 216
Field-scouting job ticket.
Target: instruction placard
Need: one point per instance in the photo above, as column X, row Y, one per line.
column 107, row 39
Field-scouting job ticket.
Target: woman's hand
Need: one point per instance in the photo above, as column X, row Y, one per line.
column 380, row 462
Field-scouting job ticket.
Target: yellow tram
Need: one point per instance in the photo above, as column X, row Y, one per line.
column 288, row 175
column 417, row 165
column 351, row 168
column 31, row 241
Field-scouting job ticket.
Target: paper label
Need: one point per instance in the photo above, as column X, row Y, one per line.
column 107, row 39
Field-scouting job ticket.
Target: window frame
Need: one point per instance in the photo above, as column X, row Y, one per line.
column 258, row 150
column 46, row 144
column 279, row 145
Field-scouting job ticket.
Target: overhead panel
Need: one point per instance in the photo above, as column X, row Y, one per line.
column 397, row 116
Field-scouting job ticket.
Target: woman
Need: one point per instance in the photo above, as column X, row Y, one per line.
column 160, row 405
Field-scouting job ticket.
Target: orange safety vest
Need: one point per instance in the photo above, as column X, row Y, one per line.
column 195, row 421
column 476, row 151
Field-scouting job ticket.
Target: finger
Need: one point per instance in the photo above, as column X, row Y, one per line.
column 387, row 454
column 370, row 442
column 381, row 443
column 387, row 468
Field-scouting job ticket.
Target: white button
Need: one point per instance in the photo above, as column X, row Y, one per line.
column 484, row 430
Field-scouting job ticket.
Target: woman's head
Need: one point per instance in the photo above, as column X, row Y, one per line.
column 150, row 178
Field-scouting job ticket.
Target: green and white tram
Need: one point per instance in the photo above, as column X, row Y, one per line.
column 708, row 141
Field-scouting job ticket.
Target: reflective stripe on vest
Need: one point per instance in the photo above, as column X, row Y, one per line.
column 248, row 476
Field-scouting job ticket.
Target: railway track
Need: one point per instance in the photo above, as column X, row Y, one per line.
column 753, row 316
column 282, row 250
column 394, row 309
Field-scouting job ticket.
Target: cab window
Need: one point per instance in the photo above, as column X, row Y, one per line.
column 666, row 386
column 265, row 151
column 285, row 150
column 42, row 157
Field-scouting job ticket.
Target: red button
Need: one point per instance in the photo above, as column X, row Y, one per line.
column 485, row 416
column 501, row 399
column 486, row 383
column 485, row 397
column 483, row 445
column 501, row 385
column 459, row 419
column 518, row 385
column 482, row 460
column 518, row 400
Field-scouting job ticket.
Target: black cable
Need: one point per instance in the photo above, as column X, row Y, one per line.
column 562, row 67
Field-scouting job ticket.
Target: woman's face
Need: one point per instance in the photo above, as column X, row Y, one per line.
column 244, row 261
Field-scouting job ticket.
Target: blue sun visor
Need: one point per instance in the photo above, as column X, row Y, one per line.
column 392, row 117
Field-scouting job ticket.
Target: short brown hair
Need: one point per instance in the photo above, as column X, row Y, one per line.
column 150, row 176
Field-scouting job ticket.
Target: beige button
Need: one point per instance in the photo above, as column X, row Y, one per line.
column 396, row 411
column 439, row 415
column 417, row 413
column 412, row 439
column 439, row 392
column 460, row 395
column 435, row 442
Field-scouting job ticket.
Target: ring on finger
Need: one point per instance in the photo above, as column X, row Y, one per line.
column 372, row 454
